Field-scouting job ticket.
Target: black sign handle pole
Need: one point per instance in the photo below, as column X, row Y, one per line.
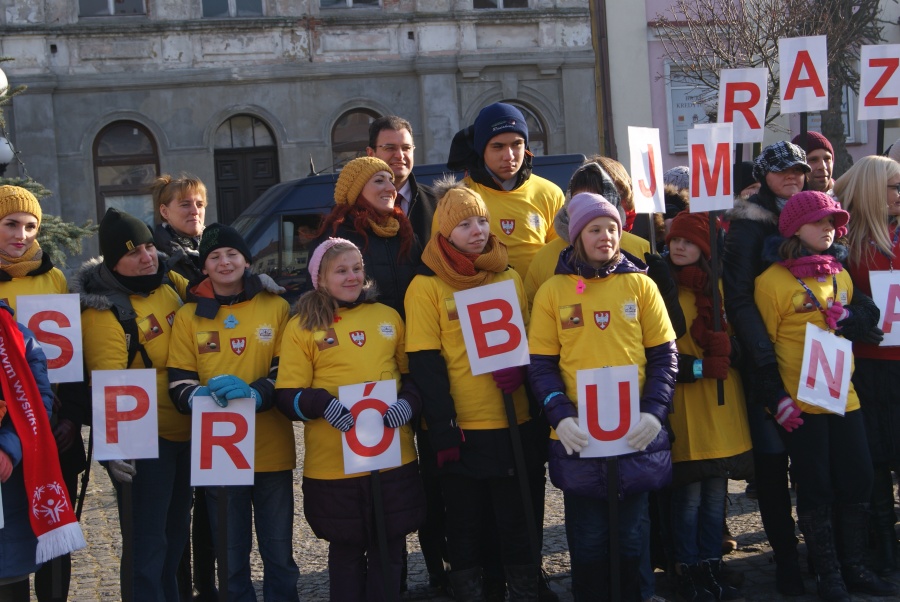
column 879, row 138
column 803, row 130
column 222, row 543
column 615, row 564
column 717, row 298
column 524, row 489
column 651, row 226
column 381, row 534
column 127, row 519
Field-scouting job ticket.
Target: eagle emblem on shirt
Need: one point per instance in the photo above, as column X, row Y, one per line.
column 601, row 319
column 508, row 225
column 238, row 345
column 358, row 337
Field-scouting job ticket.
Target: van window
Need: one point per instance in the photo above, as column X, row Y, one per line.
column 283, row 253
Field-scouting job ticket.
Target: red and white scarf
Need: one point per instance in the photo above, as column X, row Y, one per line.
column 52, row 518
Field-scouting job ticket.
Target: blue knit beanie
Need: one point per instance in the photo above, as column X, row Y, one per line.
column 495, row 119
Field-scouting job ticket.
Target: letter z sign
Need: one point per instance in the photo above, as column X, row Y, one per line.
column 492, row 326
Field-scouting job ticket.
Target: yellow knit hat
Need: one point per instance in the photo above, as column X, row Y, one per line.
column 14, row 199
column 354, row 177
column 457, row 204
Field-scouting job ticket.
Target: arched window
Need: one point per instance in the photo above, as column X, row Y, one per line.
column 537, row 136
column 350, row 136
column 126, row 161
column 242, row 131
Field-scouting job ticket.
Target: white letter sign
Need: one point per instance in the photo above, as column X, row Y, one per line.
column 223, row 442
column 879, row 82
column 55, row 321
column 825, row 375
column 803, row 73
column 608, row 407
column 886, row 294
column 646, row 170
column 124, row 404
column 492, row 327
column 369, row 445
column 742, row 102
column 710, row 149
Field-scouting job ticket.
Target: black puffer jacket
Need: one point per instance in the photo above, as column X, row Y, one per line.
column 421, row 209
column 381, row 256
column 752, row 222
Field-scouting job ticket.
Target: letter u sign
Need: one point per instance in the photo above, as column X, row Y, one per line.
column 608, row 408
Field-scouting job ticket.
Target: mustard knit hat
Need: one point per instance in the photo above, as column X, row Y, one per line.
column 354, row 177
column 14, row 199
column 455, row 206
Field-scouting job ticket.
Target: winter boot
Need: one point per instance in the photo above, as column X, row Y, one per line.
column 522, row 583
column 545, row 594
column 857, row 576
column 711, row 574
column 467, row 585
column 689, row 584
column 816, row 528
column 883, row 520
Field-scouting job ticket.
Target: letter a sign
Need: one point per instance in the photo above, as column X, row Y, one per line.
column 825, row 375
column 886, row 295
column 607, row 409
column 493, row 329
column 803, row 69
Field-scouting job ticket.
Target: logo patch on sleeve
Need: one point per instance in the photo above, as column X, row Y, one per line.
column 387, row 330
column 208, row 342
column 630, row 309
column 450, row 304
column 570, row 316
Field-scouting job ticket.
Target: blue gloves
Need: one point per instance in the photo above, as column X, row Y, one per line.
column 398, row 414
column 226, row 387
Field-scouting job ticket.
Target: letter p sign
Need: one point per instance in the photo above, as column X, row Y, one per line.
column 492, row 326
column 125, row 423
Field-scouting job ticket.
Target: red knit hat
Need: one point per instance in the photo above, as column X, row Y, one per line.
column 814, row 142
column 810, row 206
column 693, row 227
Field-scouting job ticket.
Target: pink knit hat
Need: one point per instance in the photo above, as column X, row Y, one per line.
column 584, row 207
column 316, row 260
column 810, row 206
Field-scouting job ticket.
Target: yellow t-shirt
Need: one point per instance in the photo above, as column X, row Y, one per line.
column 543, row 266
column 611, row 323
column 433, row 324
column 522, row 218
column 49, row 283
column 241, row 340
column 704, row 429
column 366, row 343
column 105, row 348
column 786, row 308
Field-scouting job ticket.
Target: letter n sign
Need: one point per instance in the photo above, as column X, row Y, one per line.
column 493, row 329
column 608, row 408
column 826, row 371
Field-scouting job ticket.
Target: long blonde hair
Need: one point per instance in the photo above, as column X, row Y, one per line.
column 316, row 307
column 862, row 191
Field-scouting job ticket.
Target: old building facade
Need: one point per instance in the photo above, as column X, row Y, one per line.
column 247, row 93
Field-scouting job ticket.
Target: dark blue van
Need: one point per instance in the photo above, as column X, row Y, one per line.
column 280, row 223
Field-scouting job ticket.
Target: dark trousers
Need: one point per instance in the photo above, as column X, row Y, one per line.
column 355, row 572
column 474, row 503
column 830, row 460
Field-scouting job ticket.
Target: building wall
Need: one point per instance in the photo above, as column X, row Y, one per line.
column 434, row 62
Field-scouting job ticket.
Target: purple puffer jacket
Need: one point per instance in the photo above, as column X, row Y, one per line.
column 648, row 470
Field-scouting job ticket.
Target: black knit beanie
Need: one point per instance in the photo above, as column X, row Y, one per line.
column 120, row 233
column 217, row 236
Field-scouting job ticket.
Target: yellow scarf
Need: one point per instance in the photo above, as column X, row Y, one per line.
column 463, row 270
column 18, row 267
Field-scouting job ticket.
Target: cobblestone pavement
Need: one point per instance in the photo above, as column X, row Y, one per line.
column 95, row 569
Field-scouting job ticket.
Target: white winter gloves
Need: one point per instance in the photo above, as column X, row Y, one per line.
column 644, row 432
column 122, row 470
column 573, row 438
